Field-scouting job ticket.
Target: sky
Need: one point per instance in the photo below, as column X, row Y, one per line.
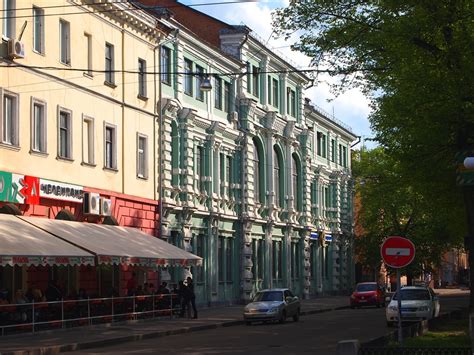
column 351, row 107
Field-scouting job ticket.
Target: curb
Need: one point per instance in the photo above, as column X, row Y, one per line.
column 56, row 349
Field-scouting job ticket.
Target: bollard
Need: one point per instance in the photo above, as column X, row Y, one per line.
column 348, row 347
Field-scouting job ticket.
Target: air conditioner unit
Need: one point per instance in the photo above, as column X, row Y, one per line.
column 91, row 203
column 16, row 49
column 105, row 206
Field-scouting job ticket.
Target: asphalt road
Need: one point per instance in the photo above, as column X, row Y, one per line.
column 317, row 334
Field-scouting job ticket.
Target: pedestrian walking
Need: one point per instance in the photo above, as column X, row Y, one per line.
column 192, row 297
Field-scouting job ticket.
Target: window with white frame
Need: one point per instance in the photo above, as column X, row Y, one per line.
column 88, row 141
column 64, row 134
column 38, row 126
column 188, row 77
column 8, row 28
column 269, row 89
column 333, row 150
column 218, row 93
column 65, row 42
column 275, row 93
column 110, row 146
column 291, row 102
column 255, row 81
column 10, row 124
column 38, row 29
column 200, row 168
column 198, row 82
column 227, row 97
column 321, row 144
column 344, row 157
column 166, row 65
column 88, row 38
column 257, row 166
column 229, row 172
column 276, row 177
column 109, row 64
column 141, row 77
column 142, row 154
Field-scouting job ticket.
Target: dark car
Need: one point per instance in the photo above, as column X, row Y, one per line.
column 368, row 294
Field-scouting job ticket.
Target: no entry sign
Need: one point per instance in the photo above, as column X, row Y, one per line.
column 397, row 252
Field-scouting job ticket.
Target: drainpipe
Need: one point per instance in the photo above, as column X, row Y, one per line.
column 123, row 109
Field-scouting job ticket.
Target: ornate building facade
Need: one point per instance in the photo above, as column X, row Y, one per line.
column 256, row 180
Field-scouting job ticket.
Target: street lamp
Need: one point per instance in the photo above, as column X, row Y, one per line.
column 205, row 85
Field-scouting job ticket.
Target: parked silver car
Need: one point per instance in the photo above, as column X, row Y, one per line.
column 272, row 305
column 418, row 303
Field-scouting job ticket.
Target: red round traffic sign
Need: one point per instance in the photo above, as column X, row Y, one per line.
column 397, row 252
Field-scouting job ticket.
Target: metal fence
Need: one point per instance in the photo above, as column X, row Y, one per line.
column 414, row 351
column 31, row 317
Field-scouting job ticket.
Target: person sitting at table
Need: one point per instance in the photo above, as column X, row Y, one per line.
column 20, row 314
column 20, row 297
column 37, row 295
column 53, row 293
column 132, row 285
column 146, row 289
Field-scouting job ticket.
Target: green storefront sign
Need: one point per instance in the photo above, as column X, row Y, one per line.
column 10, row 187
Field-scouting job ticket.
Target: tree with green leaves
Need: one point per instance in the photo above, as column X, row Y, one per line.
column 390, row 206
column 414, row 60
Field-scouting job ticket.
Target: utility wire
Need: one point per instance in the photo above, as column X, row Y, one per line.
column 139, row 7
column 210, row 74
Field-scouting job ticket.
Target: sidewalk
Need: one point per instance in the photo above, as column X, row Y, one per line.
column 54, row 342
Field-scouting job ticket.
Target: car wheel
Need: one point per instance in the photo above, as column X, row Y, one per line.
column 352, row 307
column 377, row 305
column 248, row 323
column 296, row 316
column 283, row 317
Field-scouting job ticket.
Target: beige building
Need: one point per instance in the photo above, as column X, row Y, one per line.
column 75, row 107
column 78, row 120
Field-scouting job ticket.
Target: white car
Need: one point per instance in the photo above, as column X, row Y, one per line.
column 417, row 303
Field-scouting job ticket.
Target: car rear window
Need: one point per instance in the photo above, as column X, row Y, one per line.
column 269, row 296
column 366, row 287
column 421, row 295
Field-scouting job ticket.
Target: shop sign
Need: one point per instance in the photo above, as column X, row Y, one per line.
column 314, row 235
column 61, row 191
column 17, row 188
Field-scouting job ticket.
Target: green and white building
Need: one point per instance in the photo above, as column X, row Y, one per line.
column 254, row 178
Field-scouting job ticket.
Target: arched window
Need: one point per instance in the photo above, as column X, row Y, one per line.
column 295, row 181
column 174, row 153
column 256, row 172
column 276, row 176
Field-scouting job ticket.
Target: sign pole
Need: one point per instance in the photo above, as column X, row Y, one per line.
column 398, row 252
column 399, row 306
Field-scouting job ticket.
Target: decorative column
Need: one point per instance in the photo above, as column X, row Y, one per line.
column 306, row 263
column 187, row 240
column 247, row 276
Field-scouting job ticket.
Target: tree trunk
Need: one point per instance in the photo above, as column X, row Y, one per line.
column 469, row 204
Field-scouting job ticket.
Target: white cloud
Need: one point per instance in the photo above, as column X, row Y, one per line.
column 352, row 108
